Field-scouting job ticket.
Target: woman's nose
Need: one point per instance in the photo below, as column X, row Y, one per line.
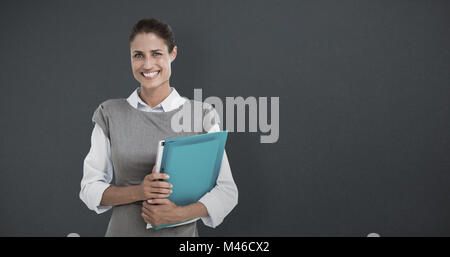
column 148, row 63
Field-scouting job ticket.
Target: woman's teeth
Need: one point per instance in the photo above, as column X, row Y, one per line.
column 150, row 75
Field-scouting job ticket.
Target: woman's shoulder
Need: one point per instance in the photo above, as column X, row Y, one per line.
column 112, row 103
column 111, row 106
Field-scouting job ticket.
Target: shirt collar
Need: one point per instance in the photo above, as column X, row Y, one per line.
column 173, row 101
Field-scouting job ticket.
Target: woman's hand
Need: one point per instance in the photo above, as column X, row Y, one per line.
column 161, row 211
column 152, row 189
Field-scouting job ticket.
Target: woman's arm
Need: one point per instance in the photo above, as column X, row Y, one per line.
column 97, row 192
column 148, row 189
column 224, row 196
column 193, row 211
column 97, row 171
column 222, row 199
column 163, row 211
column 118, row 195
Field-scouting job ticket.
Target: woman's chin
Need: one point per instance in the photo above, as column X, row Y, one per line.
column 152, row 85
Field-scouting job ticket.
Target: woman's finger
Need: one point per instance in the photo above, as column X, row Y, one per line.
column 161, row 184
column 145, row 210
column 160, row 196
column 159, row 201
column 153, row 176
column 146, row 218
column 160, row 190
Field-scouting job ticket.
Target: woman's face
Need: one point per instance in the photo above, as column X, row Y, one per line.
column 150, row 60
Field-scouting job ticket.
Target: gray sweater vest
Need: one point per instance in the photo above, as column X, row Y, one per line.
column 134, row 135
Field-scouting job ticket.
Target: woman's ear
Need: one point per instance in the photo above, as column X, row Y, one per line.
column 173, row 54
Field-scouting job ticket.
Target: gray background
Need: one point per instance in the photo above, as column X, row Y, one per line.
column 364, row 109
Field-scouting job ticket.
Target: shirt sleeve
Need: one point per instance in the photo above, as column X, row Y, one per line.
column 97, row 171
column 221, row 200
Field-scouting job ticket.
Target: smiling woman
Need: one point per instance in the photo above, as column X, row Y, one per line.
column 152, row 52
column 124, row 146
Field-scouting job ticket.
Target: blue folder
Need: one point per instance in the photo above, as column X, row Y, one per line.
column 193, row 164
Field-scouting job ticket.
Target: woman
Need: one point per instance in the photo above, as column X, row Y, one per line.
column 124, row 141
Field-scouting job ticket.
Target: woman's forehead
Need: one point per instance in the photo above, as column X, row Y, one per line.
column 147, row 42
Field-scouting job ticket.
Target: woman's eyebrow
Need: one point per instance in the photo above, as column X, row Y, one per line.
column 155, row 50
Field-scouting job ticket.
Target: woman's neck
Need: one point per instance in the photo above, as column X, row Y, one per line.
column 154, row 96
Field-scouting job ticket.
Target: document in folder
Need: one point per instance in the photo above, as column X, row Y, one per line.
column 193, row 164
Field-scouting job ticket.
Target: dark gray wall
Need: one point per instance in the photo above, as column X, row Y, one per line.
column 364, row 109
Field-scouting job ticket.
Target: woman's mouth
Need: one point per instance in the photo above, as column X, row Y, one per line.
column 150, row 75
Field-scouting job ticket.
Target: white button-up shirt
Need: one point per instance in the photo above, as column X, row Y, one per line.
column 98, row 167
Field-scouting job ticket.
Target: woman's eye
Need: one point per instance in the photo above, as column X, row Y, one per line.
column 138, row 55
column 156, row 54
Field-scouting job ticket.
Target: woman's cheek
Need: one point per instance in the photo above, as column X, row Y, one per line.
column 167, row 71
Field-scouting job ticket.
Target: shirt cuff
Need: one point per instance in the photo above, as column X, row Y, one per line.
column 96, row 194
column 215, row 210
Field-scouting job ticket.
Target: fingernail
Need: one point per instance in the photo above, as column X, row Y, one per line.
column 167, row 176
column 149, row 201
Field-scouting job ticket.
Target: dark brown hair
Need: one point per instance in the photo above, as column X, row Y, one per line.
column 152, row 25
